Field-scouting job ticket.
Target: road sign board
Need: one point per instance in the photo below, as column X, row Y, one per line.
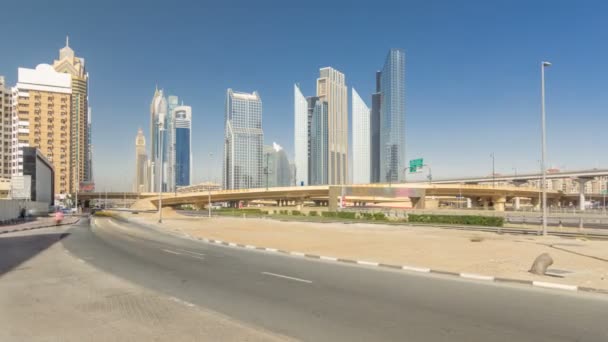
column 416, row 164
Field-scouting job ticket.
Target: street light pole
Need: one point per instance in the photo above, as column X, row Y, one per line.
column 544, row 144
column 209, row 187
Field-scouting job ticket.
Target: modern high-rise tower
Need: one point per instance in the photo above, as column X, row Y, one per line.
column 158, row 115
column 331, row 88
column 69, row 63
column 301, row 136
column 375, row 132
column 169, row 140
column 141, row 164
column 319, row 138
column 361, row 140
column 243, row 141
column 182, row 142
column 392, row 117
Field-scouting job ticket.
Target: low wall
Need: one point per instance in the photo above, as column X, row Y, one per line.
column 10, row 209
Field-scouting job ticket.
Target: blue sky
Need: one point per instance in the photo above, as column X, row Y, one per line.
column 472, row 71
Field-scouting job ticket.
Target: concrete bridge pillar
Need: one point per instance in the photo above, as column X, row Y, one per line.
column 499, row 203
column 417, row 202
column 485, row 202
column 581, row 194
column 535, row 202
column 469, row 203
column 516, row 203
column 299, row 204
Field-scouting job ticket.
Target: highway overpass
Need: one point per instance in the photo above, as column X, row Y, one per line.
column 586, row 174
column 421, row 195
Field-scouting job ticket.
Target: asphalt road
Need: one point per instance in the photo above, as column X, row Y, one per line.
column 323, row 301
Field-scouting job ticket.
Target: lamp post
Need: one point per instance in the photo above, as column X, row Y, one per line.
column 160, row 176
column 209, row 187
column 543, row 65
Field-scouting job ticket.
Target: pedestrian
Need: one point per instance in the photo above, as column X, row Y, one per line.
column 58, row 217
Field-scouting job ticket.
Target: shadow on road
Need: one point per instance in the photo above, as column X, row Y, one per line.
column 15, row 250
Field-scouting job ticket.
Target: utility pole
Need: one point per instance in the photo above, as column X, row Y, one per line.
column 543, row 144
column 209, row 187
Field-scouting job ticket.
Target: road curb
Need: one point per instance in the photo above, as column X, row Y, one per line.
column 38, row 227
column 406, row 268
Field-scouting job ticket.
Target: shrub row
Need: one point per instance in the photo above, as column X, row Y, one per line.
column 488, row 221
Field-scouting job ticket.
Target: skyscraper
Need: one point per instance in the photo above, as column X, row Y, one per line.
column 277, row 171
column 331, row 88
column 182, row 142
column 301, row 136
column 42, row 119
column 5, row 130
column 70, row 64
column 319, row 139
column 158, row 114
column 169, row 174
column 243, row 143
column 392, row 117
column 141, row 164
column 361, row 140
column 375, row 132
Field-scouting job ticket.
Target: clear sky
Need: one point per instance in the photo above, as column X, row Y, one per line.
column 472, row 71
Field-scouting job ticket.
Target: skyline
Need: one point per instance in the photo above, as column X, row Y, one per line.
column 464, row 101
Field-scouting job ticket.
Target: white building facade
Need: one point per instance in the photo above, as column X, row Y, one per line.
column 301, row 136
column 361, row 140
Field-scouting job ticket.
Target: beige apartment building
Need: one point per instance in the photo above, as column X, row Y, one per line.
column 5, row 130
column 41, row 118
column 331, row 87
column 70, row 64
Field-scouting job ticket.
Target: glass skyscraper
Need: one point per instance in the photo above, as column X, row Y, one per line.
column 182, row 116
column 319, row 140
column 243, row 141
column 392, row 117
column 301, row 136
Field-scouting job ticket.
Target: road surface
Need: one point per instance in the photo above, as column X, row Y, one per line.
column 324, row 301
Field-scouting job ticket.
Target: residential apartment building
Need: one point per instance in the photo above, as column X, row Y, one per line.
column 5, row 130
column 42, row 117
column 243, row 141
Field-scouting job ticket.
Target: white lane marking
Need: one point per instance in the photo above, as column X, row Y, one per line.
column 177, row 300
column 287, row 277
column 250, row 246
column 555, row 286
column 191, row 252
column 297, row 254
column 271, row 249
column 218, row 241
column 417, row 269
column 367, row 263
column 328, row 258
column 476, row 276
column 232, row 244
column 170, row 251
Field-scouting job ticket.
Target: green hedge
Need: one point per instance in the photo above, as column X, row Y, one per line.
column 340, row 214
column 313, row 213
column 379, row 216
column 296, row 213
column 488, row 221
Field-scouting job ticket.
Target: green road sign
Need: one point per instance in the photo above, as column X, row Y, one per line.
column 416, row 164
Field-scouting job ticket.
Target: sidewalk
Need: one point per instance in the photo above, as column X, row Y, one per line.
column 35, row 223
column 507, row 256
